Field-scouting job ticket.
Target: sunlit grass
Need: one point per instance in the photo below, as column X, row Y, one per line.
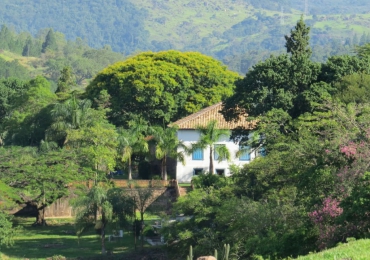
column 59, row 238
column 354, row 250
column 24, row 61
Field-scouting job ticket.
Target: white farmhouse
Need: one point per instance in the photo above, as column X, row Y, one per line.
column 199, row 160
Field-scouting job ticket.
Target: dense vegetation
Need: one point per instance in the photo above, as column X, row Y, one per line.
column 307, row 191
column 310, row 189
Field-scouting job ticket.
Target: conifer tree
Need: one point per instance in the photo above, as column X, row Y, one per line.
column 27, row 47
column 50, row 42
column 5, row 38
column 66, row 80
column 297, row 43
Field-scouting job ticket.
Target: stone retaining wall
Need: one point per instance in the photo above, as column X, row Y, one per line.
column 163, row 197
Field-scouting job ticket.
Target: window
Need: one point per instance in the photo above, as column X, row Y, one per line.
column 261, row 151
column 216, row 156
column 198, row 154
column 220, row 172
column 245, row 153
column 197, row 171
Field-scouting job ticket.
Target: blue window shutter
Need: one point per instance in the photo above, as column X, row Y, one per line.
column 262, row 151
column 198, row 154
column 216, row 155
column 245, row 156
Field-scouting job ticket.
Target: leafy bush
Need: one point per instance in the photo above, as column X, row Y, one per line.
column 149, row 232
column 210, row 180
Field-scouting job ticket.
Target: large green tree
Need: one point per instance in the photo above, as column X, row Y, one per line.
column 39, row 178
column 284, row 81
column 10, row 90
column 162, row 87
column 96, row 145
column 29, row 117
column 70, row 114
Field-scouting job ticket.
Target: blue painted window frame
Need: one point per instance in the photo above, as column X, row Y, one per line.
column 262, row 151
column 215, row 155
column 197, row 154
column 246, row 156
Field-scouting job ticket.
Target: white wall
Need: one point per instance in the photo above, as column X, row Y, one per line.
column 184, row 174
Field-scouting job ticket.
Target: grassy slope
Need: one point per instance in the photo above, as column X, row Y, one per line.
column 188, row 21
column 355, row 250
column 27, row 62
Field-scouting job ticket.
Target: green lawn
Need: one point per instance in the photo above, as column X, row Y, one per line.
column 354, row 250
column 184, row 184
column 59, row 238
column 148, row 216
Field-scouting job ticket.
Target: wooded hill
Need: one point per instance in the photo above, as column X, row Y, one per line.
column 226, row 29
column 23, row 56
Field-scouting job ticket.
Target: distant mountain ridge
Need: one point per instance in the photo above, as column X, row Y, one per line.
column 223, row 29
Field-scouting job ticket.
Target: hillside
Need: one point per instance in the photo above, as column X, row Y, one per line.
column 224, row 29
column 27, row 62
column 356, row 250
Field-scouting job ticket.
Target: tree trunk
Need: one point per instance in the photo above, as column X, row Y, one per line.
column 211, row 159
column 103, row 251
column 40, row 217
column 134, row 214
column 95, row 212
column 164, row 168
column 141, row 229
column 129, row 170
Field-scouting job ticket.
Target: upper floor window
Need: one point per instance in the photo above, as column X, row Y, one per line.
column 197, row 154
column 261, row 151
column 245, row 153
column 216, row 155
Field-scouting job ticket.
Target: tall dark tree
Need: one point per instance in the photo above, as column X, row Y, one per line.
column 281, row 82
column 297, row 43
column 66, row 80
column 5, row 38
column 50, row 42
column 27, row 48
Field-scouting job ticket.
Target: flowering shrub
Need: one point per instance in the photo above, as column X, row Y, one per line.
column 324, row 218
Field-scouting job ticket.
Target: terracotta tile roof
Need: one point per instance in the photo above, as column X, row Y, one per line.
column 202, row 117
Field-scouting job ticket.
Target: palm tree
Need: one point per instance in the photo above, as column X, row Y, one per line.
column 131, row 141
column 168, row 145
column 209, row 136
column 71, row 114
column 88, row 206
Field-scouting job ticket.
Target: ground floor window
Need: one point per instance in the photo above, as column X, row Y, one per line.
column 197, row 171
column 220, row 172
